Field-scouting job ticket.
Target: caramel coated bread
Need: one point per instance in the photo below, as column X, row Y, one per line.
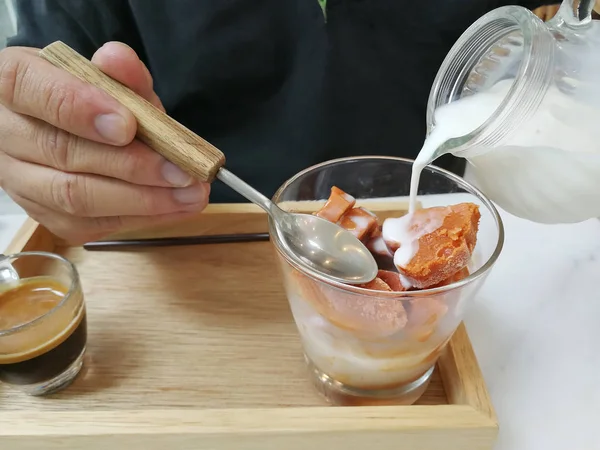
column 336, row 206
column 442, row 252
column 364, row 313
column 360, row 222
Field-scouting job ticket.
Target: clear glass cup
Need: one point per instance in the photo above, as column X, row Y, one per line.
column 43, row 327
column 371, row 347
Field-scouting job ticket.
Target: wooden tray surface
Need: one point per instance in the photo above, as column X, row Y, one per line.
column 197, row 343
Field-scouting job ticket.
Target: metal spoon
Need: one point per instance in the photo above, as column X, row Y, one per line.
column 313, row 242
column 8, row 274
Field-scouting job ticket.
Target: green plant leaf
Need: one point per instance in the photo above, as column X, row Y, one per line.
column 323, row 4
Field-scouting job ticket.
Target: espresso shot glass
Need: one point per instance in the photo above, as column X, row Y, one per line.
column 43, row 328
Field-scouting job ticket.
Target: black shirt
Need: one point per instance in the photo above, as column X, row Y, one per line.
column 271, row 82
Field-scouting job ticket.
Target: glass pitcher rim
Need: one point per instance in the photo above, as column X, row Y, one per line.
column 532, row 78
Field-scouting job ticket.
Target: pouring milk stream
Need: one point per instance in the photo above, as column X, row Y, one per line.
column 520, row 100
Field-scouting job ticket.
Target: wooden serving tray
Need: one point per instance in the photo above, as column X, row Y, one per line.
column 194, row 347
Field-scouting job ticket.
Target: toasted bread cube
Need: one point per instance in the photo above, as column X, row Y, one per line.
column 364, row 313
column 336, row 206
column 423, row 317
column 376, row 232
column 377, row 246
column 392, row 279
column 360, row 222
column 382, row 254
column 461, row 274
column 433, row 243
column 377, row 285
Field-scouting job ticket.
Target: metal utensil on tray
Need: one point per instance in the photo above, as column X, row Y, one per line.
column 175, row 241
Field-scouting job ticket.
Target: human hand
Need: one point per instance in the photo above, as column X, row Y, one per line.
column 68, row 154
column 546, row 12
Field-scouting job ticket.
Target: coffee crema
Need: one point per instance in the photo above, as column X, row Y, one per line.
column 48, row 330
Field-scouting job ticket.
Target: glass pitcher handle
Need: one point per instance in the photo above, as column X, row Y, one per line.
column 574, row 14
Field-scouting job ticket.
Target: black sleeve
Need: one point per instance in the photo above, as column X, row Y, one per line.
column 84, row 25
column 533, row 4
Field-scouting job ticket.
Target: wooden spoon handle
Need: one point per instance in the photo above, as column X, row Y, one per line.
column 159, row 131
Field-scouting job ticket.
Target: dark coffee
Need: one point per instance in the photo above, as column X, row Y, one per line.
column 41, row 350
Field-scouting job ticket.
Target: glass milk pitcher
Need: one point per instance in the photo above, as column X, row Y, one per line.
column 520, row 100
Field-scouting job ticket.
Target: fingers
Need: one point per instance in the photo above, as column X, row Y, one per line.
column 546, row 12
column 34, row 141
column 79, row 230
column 120, row 62
column 552, row 11
column 85, row 195
column 68, row 154
column 32, row 86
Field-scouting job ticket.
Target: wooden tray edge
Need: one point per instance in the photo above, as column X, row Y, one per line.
column 31, row 236
column 304, row 419
column 462, row 376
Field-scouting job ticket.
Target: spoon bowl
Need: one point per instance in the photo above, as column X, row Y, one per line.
column 312, row 241
column 325, row 247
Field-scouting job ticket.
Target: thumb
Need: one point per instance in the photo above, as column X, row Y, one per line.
column 120, row 62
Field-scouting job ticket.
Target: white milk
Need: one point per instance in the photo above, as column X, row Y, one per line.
column 547, row 170
column 454, row 120
column 403, row 231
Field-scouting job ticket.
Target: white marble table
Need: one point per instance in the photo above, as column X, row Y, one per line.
column 534, row 326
